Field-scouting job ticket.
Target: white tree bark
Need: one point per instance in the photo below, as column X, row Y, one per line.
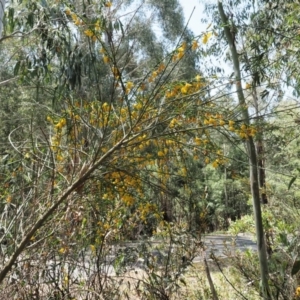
column 2, row 7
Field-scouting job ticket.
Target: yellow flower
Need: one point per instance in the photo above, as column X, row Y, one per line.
column 231, row 123
column 161, row 67
column 243, row 126
column 138, row 106
column 194, row 45
column 215, row 164
column 243, row 135
column 160, row 154
column 185, row 88
column 97, row 25
column 62, row 250
column 74, row 17
column 248, row 86
column 180, row 49
column 129, row 85
column 154, row 74
column 180, row 54
column 212, row 121
column 108, row 4
column 197, row 141
column 63, row 122
column 123, row 111
column 207, row 160
column 58, row 125
column 115, row 71
column 88, row 33
column 93, row 248
column 59, row 157
column 198, row 78
column 129, row 200
column 297, row 292
column 206, row 37
column 68, row 12
column 105, row 59
column 8, row 199
column 169, row 94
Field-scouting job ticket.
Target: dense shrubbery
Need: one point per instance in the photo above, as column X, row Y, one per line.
column 120, row 149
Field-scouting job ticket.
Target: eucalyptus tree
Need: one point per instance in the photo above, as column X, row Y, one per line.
column 262, row 40
column 269, row 56
column 2, row 7
column 229, row 34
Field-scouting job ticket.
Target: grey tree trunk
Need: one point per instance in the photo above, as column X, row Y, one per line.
column 260, row 151
column 2, row 6
column 210, row 281
column 262, row 253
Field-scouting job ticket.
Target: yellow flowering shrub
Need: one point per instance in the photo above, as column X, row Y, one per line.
column 206, row 37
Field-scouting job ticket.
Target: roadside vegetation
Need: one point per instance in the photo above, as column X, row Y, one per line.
column 123, row 142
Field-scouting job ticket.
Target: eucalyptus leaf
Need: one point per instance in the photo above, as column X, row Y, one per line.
column 292, row 181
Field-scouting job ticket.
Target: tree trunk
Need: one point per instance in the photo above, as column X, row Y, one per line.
column 226, row 210
column 262, row 253
column 211, row 283
column 2, row 6
column 260, row 152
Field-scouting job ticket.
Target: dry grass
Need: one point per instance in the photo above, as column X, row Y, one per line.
column 193, row 285
column 232, row 287
column 138, row 284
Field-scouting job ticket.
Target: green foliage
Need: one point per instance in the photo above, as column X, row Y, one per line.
column 244, row 225
column 116, row 146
